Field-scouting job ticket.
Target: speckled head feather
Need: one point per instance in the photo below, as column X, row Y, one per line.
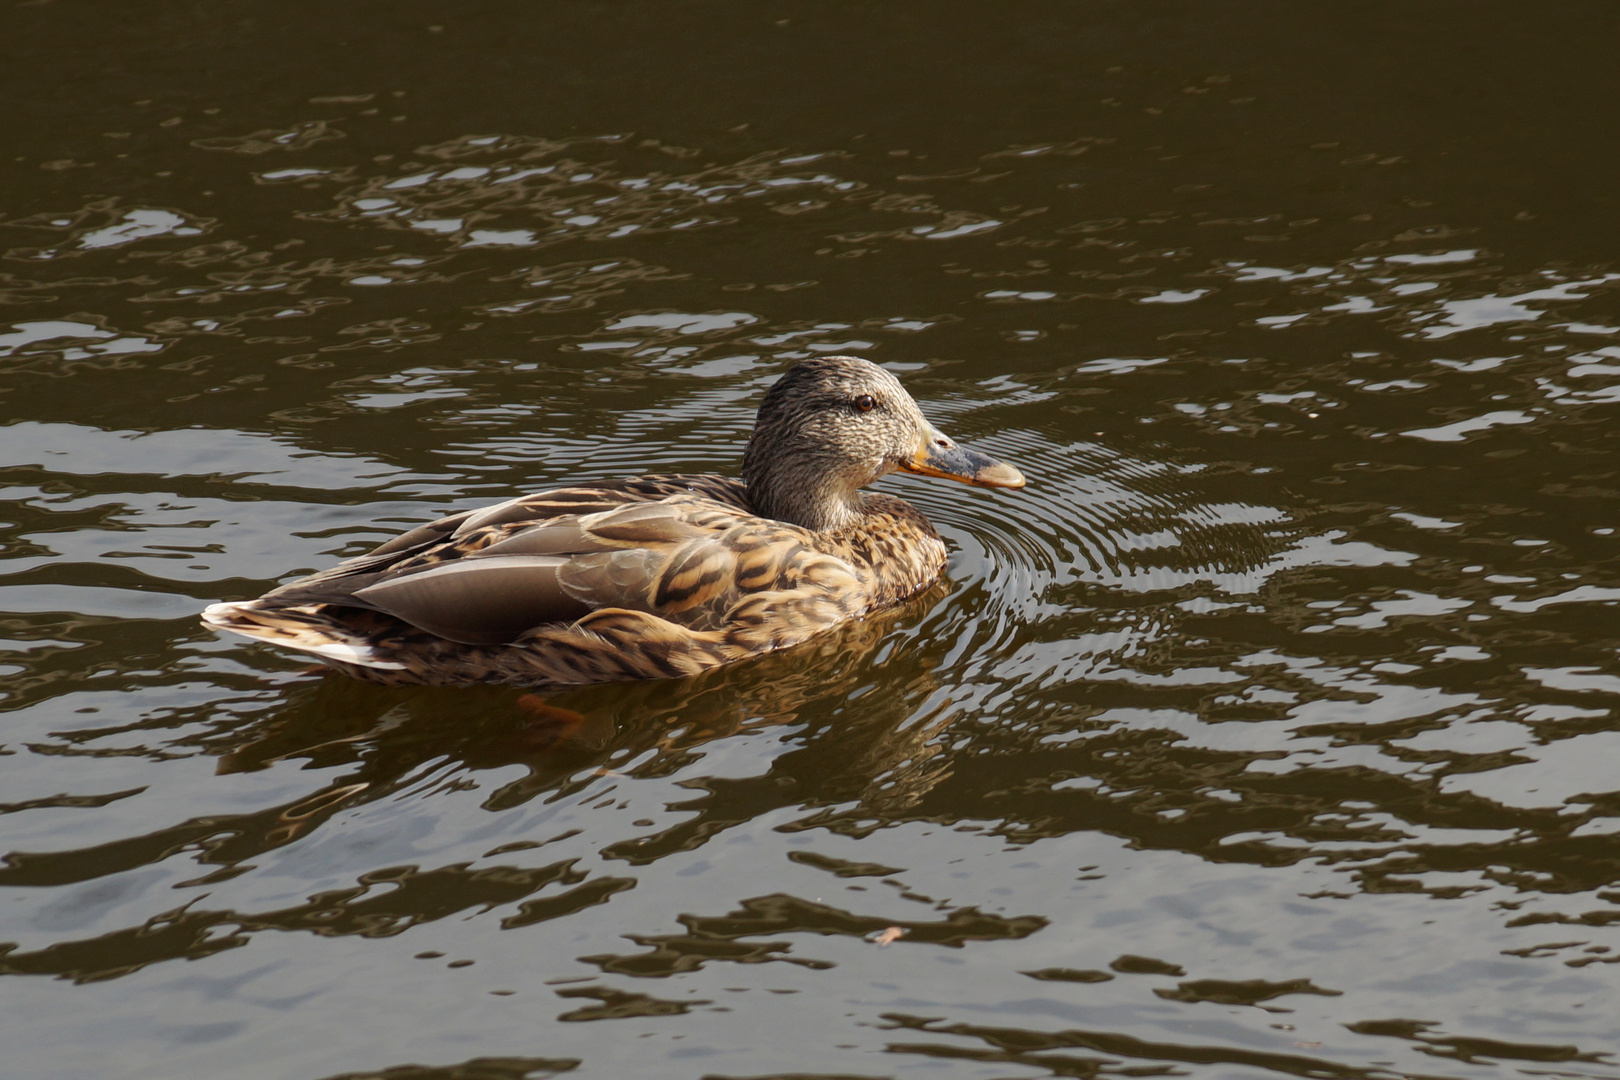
column 833, row 424
column 814, row 446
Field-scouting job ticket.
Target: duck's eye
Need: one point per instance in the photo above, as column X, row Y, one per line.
column 865, row 403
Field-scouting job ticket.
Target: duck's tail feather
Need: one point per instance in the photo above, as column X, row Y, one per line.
column 301, row 627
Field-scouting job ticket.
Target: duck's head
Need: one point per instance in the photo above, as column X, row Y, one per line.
column 834, row 424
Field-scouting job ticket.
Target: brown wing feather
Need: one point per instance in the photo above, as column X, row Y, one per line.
column 490, row 576
column 691, row 562
column 483, row 601
column 461, row 534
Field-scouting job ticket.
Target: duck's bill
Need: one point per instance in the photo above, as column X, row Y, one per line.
column 938, row 456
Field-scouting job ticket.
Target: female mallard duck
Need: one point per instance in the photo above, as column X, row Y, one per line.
column 652, row 577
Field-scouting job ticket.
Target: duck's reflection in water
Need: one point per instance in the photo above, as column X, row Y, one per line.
column 861, row 693
column 851, row 693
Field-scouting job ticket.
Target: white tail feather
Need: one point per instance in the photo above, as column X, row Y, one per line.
column 240, row 618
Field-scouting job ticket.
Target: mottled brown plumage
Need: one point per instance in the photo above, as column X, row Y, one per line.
column 652, row 577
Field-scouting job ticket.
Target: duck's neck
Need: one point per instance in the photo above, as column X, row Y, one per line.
column 803, row 491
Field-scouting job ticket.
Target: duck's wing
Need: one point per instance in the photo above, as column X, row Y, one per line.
column 495, row 580
column 451, row 537
column 543, row 506
column 492, row 576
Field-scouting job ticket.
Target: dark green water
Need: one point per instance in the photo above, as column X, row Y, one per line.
column 1269, row 732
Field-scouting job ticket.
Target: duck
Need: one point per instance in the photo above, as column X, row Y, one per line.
column 651, row 577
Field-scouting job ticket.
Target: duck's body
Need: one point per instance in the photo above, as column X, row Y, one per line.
column 651, row 577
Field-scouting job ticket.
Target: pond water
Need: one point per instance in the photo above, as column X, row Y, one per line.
column 1269, row 731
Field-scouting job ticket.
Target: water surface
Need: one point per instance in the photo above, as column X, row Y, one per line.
column 1268, row 732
